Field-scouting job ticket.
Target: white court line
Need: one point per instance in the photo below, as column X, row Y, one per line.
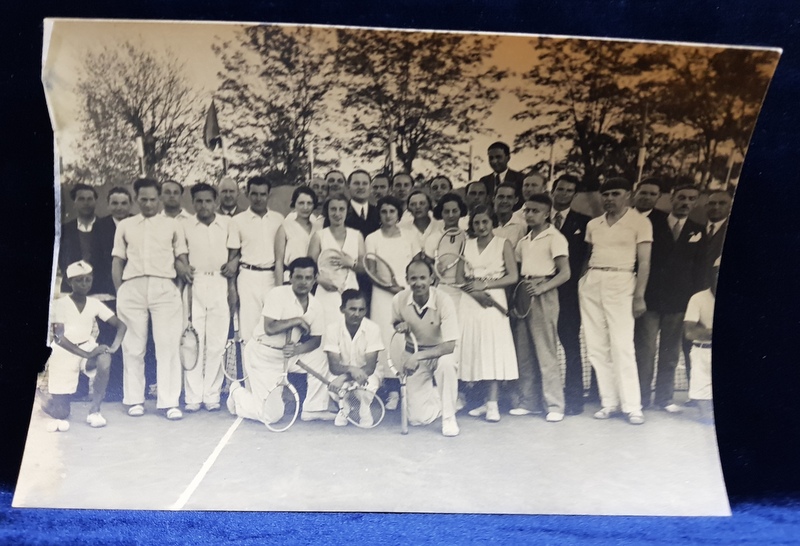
column 184, row 498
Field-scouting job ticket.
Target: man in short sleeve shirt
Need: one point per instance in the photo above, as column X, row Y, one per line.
column 149, row 253
column 292, row 312
column 612, row 296
column 431, row 316
column 251, row 252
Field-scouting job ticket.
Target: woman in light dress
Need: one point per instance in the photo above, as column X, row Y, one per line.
column 349, row 242
column 293, row 237
column 450, row 209
column 487, row 346
column 396, row 246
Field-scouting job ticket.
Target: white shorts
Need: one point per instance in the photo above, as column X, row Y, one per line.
column 64, row 368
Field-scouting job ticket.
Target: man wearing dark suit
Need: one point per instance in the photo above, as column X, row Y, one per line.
column 119, row 208
column 718, row 207
column 79, row 236
column 499, row 155
column 676, row 271
column 572, row 225
column 361, row 215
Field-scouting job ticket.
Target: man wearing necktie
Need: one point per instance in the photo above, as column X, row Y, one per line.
column 499, row 155
column 676, row 272
column 718, row 207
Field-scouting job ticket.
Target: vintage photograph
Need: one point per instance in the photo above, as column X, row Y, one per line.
column 310, row 268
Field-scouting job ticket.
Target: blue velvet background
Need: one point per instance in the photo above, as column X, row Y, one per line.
column 756, row 376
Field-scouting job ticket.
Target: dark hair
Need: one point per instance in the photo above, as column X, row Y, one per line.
column 569, row 179
column 500, row 146
column 171, row 181
column 446, row 198
column 202, row 186
column 419, row 260
column 302, row 263
column 258, row 181
column 73, row 192
column 680, row 187
column 726, row 191
column 141, row 183
column 392, row 201
column 651, row 181
column 327, row 174
column 542, row 198
column 441, row 177
column 468, row 186
column 482, row 209
column 352, row 294
column 300, row 190
column 120, row 190
column 358, row 171
column 505, row 185
column 395, row 175
column 420, row 192
column 335, row 197
column 615, row 183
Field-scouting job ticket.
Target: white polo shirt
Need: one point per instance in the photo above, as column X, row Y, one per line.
column 207, row 244
column 615, row 246
column 254, row 236
column 701, row 309
column 353, row 350
column 434, row 323
column 537, row 254
column 513, row 231
column 182, row 216
column 78, row 325
column 281, row 304
column 149, row 246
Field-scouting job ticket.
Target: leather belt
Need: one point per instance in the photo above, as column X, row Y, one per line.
column 256, row 267
column 614, row 269
column 702, row 344
column 534, row 277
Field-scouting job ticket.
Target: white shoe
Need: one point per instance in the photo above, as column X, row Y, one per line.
column 519, row 411
column 450, row 426
column 392, row 401
column 341, row 419
column 492, row 412
column 230, row 403
column 96, row 420
column 51, row 425
column 191, row 408
column 606, row 413
column 213, row 406
column 174, row 414
column 672, row 408
column 477, row 412
column 136, row 410
column 63, row 426
column 554, row 417
column 636, row 418
column 317, row 416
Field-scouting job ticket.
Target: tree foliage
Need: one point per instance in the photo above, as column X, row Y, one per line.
column 422, row 93
column 274, row 86
column 128, row 92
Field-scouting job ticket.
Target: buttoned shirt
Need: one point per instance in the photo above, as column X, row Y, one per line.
column 207, row 244
column 361, row 209
column 254, row 236
column 78, row 325
column 433, row 323
column 181, row 216
column 672, row 220
column 281, row 304
column 353, row 350
column 149, row 246
column 616, row 245
column 701, row 309
column 537, row 254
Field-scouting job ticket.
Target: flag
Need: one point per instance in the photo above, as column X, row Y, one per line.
column 211, row 136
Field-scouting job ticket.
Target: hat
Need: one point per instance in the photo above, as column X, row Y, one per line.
column 78, row 268
column 616, row 183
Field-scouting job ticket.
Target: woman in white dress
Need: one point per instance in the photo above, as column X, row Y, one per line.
column 396, row 246
column 487, row 346
column 346, row 240
column 450, row 209
column 292, row 238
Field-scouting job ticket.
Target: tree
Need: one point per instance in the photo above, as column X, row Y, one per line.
column 273, row 95
column 421, row 94
column 130, row 92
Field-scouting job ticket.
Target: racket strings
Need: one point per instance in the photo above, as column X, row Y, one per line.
column 281, row 407
column 362, row 407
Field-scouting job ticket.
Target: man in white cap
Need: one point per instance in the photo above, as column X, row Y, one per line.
column 75, row 349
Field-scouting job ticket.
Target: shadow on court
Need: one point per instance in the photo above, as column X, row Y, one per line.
column 669, row 466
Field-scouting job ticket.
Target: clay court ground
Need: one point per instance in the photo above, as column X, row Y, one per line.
column 668, row 466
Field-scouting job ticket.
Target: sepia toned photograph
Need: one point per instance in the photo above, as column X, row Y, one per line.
column 334, row 269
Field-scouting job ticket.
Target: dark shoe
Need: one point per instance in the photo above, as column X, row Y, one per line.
column 573, row 410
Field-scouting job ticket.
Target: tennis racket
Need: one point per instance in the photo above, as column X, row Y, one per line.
column 520, row 300
column 331, row 269
column 282, row 404
column 190, row 340
column 457, row 271
column 451, row 245
column 362, row 407
column 233, row 362
column 380, row 271
column 397, row 353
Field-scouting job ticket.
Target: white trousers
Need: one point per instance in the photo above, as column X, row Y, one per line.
column 211, row 318
column 606, row 299
column 253, row 287
column 264, row 366
column 700, row 381
column 427, row 402
column 159, row 299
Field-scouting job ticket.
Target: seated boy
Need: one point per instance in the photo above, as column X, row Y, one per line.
column 75, row 349
column 352, row 345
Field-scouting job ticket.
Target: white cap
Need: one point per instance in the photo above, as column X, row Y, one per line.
column 78, row 268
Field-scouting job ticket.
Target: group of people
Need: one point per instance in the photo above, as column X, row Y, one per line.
column 636, row 280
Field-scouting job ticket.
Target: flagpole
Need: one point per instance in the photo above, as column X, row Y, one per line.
column 730, row 169
column 642, row 151
column 311, row 160
column 140, row 153
column 469, row 165
column 552, row 165
column 224, row 159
